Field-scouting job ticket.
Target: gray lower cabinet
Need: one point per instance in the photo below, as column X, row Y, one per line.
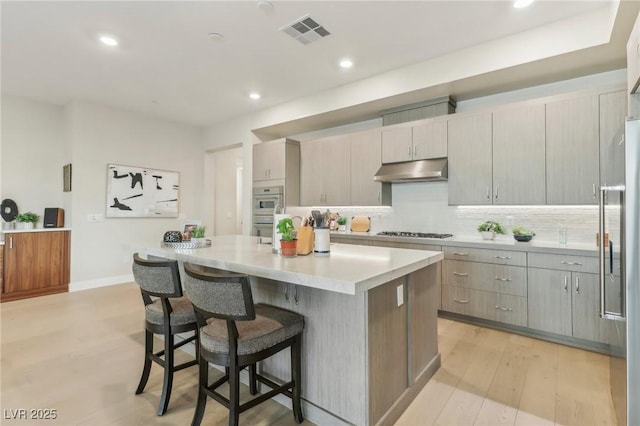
column 565, row 301
column 488, row 284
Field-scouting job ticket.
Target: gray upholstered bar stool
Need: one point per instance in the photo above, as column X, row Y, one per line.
column 235, row 333
column 168, row 314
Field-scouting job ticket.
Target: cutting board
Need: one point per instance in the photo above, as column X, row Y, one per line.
column 360, row 224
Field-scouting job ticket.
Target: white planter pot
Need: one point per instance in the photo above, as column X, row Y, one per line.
column 342, row 228
column 24, row 225
column 487, row 235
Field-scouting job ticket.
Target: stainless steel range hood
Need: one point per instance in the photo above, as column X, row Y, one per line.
column 413, row 171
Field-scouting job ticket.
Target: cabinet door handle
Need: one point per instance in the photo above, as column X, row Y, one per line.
column 460, row 274
column 496, row 192
column 566, row 288
column 570, row 263
column 460, row 301
column 460, row 253
column 577, row 285
column 594, row 191
column 488, row 194
column 10, row 242
column 286, row 292
column 503, row 279
column 415, row 152
column 504, row 309
column 295, row 294
column 409, row 151
column 503, row 257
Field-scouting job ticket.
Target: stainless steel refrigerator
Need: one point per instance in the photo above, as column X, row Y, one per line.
column 619, row 262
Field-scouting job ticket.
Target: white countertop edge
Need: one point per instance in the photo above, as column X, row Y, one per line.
column 306, row 280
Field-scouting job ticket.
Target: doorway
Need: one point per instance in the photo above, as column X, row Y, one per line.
column 227, row 167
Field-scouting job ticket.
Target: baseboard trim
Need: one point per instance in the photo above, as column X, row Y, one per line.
column 100, row 282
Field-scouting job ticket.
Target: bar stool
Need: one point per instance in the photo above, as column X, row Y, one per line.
column 169, row 314
column 235, row 333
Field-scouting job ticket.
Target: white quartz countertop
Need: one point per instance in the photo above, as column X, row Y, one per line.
column 348, row 269
column 502, row 242
column 13, row 231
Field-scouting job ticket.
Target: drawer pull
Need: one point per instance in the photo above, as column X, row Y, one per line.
column 503, row 257
column 460, row 253
column 503, row 279
column 570, row 263
column 504, row 309
column 460, row 301
column 460, row 274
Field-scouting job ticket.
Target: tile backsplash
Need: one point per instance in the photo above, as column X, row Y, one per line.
column 422, row 207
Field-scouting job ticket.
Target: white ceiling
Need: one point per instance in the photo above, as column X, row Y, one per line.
column 167, row 66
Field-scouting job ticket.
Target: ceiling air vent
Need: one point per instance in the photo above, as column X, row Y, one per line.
column 306, row 30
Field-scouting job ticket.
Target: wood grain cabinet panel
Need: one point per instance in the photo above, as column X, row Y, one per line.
column 572, row 150
column 35, row 264
column 366, row 158
column 519, row 155
column 470, row 159
column 324, row 172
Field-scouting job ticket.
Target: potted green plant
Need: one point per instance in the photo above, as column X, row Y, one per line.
column 197, row 235
column 522, row 234
column 27, row 220
column 342, row 223
column 489, row 229
column 288, row 244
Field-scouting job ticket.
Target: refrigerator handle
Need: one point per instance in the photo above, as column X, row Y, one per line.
column 601, row 255
column 611, row 259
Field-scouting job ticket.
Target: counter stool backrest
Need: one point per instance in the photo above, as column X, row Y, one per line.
column 157, row 277
column 224, row 296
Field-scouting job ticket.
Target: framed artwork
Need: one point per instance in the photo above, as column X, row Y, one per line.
column 66, row 178
column 141, row 192
column 189, row 226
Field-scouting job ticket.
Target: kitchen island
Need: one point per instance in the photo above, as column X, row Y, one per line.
column 370, row 338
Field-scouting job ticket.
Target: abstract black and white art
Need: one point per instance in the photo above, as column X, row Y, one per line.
column 141, row 192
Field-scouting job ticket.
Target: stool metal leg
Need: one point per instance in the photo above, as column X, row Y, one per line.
column 203, row 383
column 296, row 375
column 148, row 349
column 253, row 382
column 167, row 381
column 234, row 395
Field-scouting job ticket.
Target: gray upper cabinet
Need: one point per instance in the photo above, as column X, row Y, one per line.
column 324, row 168
column 613, row 110
column 519, row 155
column 428, row 139
column 572, row 150
column 397, row 144
column 269, row 160
column 365, row 160
column 470, row 159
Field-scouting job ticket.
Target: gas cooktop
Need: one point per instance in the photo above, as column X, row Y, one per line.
column 414, row 234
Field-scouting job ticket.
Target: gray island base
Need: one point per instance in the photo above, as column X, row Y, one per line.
column 370, row 339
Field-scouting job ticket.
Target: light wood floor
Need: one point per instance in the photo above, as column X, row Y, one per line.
column 81, row 354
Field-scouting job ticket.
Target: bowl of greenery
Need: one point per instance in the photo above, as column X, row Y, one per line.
column 27, row 220
column 489, row 229
column 521, row 234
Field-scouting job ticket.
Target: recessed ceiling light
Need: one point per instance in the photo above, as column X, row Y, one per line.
column 254, row 95
column 346, row 63
column 108, row 40
column 216, row 36
column 519, row 4
column 265, row 6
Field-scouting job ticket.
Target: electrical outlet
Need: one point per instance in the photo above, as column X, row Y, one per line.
column 400, row 295
column 95, row 217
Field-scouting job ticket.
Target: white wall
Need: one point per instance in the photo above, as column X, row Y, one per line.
column 99, row 135
column 38, row 139
column 34, row 149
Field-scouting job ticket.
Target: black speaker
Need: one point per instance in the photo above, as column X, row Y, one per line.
column 53, row 217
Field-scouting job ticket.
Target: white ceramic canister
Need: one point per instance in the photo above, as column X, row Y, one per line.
column 321, row 241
